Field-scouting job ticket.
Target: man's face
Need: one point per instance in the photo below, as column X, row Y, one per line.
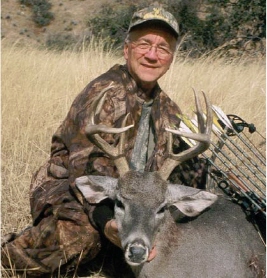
column 148, row 55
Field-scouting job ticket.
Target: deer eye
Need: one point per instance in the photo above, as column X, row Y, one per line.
column 119, row 204
column 162, row 210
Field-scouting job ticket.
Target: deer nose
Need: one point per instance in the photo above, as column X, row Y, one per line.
column 137, row 253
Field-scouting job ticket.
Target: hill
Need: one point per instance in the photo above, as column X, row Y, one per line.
column 69, row 20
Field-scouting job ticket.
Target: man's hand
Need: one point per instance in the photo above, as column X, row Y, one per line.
column 111, row 232
column 152, row 254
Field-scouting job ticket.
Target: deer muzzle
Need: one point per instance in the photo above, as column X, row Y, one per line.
column 136, row 253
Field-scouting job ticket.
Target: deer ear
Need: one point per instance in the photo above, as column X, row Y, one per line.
column 96, row 188
column 190, row 201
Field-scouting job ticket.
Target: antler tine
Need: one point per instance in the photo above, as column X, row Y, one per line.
column 199, row 112
column 202, row 138
column 121, row 144
column 92, row 130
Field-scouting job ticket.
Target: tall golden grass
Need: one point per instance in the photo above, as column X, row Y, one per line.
column 38, row 87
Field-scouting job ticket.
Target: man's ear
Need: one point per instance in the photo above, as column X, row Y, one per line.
column 96, row 188
column 126, row 50
column 190, row 201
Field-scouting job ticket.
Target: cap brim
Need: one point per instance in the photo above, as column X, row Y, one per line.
column 156, row 21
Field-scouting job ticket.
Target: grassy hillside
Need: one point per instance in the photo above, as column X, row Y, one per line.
column 38, row 88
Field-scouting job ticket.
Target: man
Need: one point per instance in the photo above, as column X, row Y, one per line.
column 65, row 230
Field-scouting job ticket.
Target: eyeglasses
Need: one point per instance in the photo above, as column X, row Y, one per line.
column 143, row 47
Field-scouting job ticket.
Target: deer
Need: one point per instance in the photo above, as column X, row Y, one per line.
column 197, row 233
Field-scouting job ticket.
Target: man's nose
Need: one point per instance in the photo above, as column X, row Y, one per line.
column 152, row 53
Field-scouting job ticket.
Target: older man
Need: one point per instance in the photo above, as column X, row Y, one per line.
column 65, row 229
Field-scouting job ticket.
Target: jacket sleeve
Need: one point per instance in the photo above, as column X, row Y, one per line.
column 58, row 163
column 72, row 154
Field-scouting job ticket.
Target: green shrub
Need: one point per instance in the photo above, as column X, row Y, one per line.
column 242, row 19
column 41, row 14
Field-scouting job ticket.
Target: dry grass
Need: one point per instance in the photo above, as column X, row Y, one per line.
column 38, row 88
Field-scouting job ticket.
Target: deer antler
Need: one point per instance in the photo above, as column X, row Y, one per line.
column 202, row 138
column 92, row 130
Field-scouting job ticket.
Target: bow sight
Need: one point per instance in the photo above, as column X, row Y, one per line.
column 238, row 125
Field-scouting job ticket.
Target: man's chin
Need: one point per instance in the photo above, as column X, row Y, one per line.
column 149, row 79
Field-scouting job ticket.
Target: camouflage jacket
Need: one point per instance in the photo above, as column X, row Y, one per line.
column 73, row 155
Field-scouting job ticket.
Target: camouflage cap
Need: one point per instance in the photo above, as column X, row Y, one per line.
column 154, row 12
